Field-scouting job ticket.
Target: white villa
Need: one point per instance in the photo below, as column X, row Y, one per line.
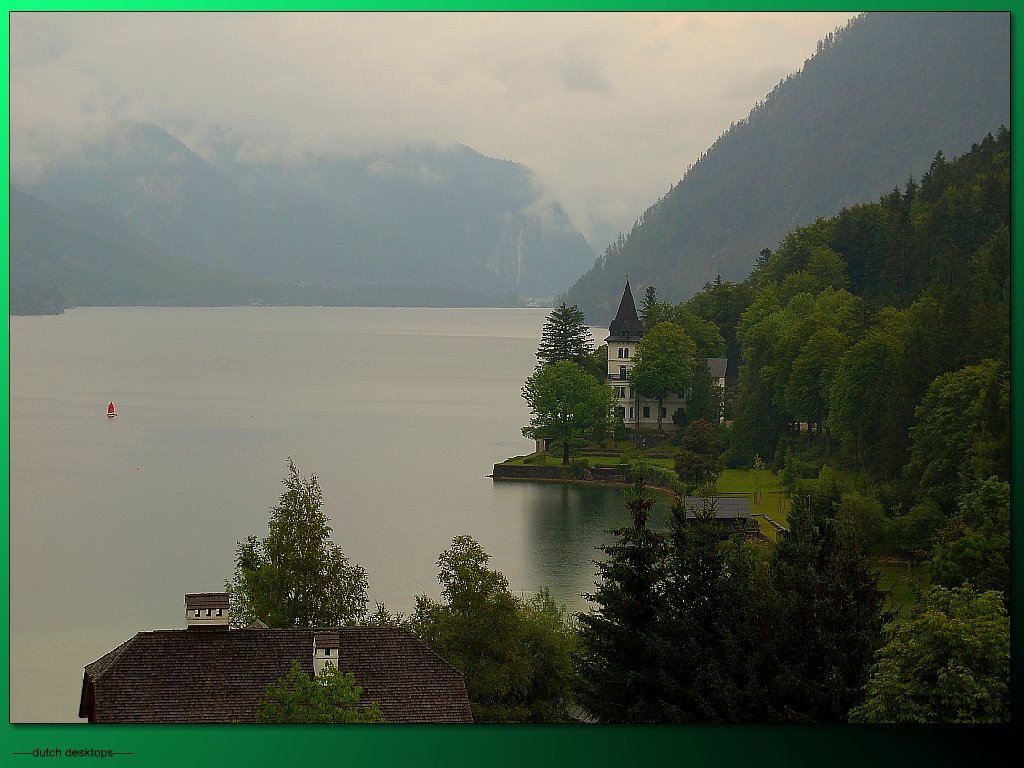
column 624, row 334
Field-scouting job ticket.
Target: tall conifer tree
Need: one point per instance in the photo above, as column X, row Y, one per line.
column 619, row 679
column 565, row 337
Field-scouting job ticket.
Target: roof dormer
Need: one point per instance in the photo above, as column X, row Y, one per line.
column 207, row 610
column 326, row 647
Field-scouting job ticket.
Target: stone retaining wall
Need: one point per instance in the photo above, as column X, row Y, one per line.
column 562, row 473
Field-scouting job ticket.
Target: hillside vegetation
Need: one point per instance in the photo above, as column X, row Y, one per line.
column 878, row 341
column 866, row 113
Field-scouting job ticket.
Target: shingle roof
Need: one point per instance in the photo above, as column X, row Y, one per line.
column 626, row 324
column 207, row 600
column 182, row 676
column 717, row 366
column 726, row 507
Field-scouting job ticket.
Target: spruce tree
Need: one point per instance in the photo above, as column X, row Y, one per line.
column 696, row 627
column 830, row 618
column 565, row 337
column 618, row 659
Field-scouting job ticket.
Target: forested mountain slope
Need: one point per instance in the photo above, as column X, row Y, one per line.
column 866, row 113
column 423, row 225
column 86, row 257
column 877, row 342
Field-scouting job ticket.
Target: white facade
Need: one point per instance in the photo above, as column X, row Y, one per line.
column 326, row 647
column 624, row 335
column 207, row 609
column 637, row 413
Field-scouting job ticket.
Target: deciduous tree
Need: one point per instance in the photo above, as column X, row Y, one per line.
column 950, row 663
column 331, row 697
column 515, row 652
column 664, row 363
column 973, row 547
column 962, row 432
column 567, row 403
column 296, row 576
column 699, row 458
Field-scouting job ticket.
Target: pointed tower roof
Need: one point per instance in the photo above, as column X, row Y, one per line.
column 626, row 325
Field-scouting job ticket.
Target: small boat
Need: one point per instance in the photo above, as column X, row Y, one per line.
column 111, row 413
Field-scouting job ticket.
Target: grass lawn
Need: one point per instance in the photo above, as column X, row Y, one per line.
column 765, row 494
column 897, row 579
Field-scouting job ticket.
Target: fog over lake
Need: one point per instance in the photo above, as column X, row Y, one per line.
column 401, row 413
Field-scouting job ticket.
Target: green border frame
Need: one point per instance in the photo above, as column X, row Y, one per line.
column 526, row 745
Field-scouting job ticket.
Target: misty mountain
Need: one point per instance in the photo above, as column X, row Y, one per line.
column 423, row 225
column 868, row 112
column 84, row 256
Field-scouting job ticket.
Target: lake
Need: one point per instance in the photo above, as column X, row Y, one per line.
column 400, row 412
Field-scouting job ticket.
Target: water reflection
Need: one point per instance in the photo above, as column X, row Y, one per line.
column 565, row 526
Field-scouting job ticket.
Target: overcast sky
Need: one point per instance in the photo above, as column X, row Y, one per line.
column 608, row 109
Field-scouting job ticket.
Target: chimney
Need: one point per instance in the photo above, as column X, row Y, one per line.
column 326, row 647
column 207, row 610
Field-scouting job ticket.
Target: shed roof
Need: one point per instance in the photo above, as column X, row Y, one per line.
column 178, row 676
column 726, row 507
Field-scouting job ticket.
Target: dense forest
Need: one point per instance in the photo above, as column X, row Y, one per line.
column 865, row 113
column 879, row 340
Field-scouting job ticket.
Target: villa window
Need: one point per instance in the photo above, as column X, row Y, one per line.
column 327, row 651
column 208, row 612
column 220, row 611
column 198, row 612
column 664, row 413
column 631, row 411
column 647, row 411
column 622, row 373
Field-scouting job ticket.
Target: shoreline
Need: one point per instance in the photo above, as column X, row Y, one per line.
column 566, row 473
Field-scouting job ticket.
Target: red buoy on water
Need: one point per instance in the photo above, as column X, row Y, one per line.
column 110, row 411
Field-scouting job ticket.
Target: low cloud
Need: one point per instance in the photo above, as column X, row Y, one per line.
column 608, row 109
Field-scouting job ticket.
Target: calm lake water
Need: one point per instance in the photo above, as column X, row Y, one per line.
column 401, row 413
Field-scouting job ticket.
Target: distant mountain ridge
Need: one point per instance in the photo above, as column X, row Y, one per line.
column 868, row 112
column 420, row 226
column 87, row 257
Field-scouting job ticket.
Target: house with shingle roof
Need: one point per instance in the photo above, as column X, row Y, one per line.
column 209, row 673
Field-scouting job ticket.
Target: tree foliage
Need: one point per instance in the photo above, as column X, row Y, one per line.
column 514, row 652
column 698, row 460
column 973, row 546
column 330, row 697
column 566, row 403
column 565, row 336
column 829, row 615
column 962, row 432
column 296, row 576
column 950, row 663
column 664, row 363
column 618, row 655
